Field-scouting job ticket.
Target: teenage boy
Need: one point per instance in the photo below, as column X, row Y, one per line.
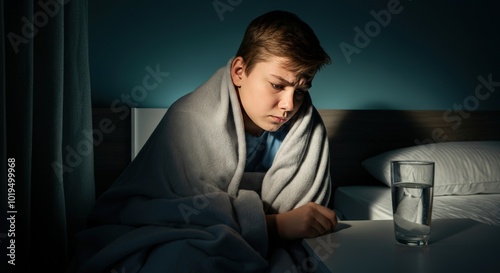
column 234, row 172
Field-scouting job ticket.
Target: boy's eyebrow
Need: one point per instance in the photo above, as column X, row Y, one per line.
column 307, row 85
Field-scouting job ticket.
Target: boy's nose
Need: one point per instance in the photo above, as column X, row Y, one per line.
column 286, row 102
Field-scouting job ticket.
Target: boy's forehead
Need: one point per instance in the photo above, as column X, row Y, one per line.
column 279, row 68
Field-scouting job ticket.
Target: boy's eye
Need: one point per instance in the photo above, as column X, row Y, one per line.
column 299, row 94
column 277, row 86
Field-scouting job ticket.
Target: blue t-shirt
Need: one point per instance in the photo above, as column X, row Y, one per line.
column 262, row 149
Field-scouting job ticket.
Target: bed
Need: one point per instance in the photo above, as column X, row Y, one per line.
column 374, row 203
column 466, row 152
column 359, row 140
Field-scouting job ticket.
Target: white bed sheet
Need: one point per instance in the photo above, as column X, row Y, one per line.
column 374, row 203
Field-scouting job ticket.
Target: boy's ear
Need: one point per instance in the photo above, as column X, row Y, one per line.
column 237, row 71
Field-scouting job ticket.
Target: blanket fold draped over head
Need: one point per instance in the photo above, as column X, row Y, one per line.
column 180, row 205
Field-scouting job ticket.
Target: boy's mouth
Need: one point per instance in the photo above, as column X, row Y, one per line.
column 279, row 119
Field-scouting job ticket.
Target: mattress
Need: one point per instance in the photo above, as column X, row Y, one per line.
column 374, row 203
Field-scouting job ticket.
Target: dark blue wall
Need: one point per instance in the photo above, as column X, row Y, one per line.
column 429, row 55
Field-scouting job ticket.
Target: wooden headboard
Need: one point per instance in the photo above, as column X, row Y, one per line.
column 354, row 135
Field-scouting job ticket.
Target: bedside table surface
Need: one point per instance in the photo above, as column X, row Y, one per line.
column 455, row 245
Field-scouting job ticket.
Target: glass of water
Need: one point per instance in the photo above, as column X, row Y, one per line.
column 412, row 194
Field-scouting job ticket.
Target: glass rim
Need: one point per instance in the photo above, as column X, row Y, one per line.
column 413, row 162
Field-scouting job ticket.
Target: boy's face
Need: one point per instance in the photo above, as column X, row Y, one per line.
column 270, row 95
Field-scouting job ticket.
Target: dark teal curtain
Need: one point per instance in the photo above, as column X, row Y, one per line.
column 45, row 111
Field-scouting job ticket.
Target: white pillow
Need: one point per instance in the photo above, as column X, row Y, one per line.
column 461, row 167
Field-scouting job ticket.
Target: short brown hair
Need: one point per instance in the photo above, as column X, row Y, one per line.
column 283, row 34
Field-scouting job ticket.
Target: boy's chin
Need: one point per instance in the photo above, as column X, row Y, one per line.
column 273, row 128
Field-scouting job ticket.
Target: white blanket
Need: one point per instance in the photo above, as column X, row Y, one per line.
column 181, row 206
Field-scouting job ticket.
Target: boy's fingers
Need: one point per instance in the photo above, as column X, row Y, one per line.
column 329, row 215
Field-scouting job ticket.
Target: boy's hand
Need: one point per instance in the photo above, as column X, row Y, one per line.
column 309, row 220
